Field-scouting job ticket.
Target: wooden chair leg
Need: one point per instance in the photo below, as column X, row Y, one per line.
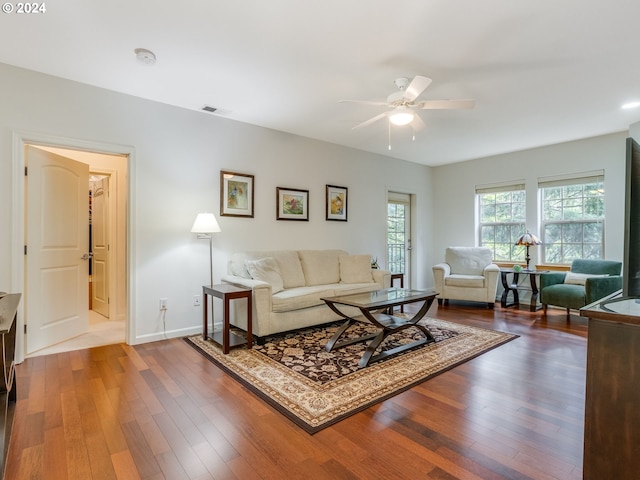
column 544, row 308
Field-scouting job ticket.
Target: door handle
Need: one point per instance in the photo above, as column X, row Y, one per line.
column 87, row 256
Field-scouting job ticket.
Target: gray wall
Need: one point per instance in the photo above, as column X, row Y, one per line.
column 454, row 187
column 176, row 173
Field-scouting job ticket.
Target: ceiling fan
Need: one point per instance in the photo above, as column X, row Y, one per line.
column 403, row 102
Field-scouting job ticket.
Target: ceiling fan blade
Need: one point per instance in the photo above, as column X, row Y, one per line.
column 418, row 124
column 416, row 87
column 370, row 121
column 365, row 102
column 446, row 104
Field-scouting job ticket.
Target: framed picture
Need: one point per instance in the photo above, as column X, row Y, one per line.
column 292, row 204
column 236, row 194
column 336, row 203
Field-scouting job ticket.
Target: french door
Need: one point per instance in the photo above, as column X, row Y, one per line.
column 398, row 235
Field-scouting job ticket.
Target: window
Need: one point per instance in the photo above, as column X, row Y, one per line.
column 572, row 218
column 502, row 211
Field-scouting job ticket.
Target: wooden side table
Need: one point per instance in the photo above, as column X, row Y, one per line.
column 226, row 338
column 513, row 287
column 398, row 276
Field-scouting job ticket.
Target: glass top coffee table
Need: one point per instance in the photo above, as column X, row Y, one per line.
column 377, row 308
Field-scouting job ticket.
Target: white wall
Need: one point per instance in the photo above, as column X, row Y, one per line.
column 178, row 158
column 454, row 187
column 634, row 131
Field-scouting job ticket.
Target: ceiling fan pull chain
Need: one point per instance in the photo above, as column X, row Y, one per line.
column 389, row 126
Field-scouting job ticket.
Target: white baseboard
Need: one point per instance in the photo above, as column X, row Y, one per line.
column 154, row 337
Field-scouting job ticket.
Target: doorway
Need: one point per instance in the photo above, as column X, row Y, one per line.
column 102, row 326
column 399, row 235
column 114, row 167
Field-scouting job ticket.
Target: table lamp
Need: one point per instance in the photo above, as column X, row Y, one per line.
column 528, row 239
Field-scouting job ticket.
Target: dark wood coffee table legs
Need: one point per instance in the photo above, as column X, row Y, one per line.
column 388, row 325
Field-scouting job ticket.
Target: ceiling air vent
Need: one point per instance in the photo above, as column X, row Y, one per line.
column 209, row 109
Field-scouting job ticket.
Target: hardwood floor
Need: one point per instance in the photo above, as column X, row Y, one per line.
column 162, row 411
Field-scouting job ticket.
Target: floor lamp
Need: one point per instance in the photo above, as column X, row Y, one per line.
column 204, row 226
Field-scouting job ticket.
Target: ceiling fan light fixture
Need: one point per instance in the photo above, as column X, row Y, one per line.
column 401, row 116
column 630, row 105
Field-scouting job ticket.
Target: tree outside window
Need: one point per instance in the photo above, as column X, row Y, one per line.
column 573, row 221
column 502, row 221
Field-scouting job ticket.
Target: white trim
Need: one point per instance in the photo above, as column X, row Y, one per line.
column 178, row 333
column 571, row 179
column 19, row 140
column 511, row 186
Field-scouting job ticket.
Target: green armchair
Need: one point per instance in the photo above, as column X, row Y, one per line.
column 586, row 282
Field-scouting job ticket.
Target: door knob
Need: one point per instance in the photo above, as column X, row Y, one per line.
column 87, row 256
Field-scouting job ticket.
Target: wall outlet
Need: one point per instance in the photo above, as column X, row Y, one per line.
column 196, row 300
column 164, row 304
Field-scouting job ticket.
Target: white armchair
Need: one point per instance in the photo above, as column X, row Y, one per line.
column 467, row 274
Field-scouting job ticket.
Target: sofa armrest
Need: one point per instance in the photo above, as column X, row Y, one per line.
column 246, row 282
column 381, row 277
column 262, row 304
column 440, row 271
column 492, row 267
column 551, row 278
column 599, row 287
column 491, row 273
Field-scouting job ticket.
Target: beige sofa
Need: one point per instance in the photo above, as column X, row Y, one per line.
column 288, row 286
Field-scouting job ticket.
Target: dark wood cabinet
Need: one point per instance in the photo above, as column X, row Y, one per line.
column 8, row 310
column 612, row 404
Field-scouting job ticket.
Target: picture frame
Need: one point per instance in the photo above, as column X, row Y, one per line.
column 236, row 194
column 336, row 203
column 292, row 204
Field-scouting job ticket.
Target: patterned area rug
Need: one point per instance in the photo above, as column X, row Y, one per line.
column 315, row 388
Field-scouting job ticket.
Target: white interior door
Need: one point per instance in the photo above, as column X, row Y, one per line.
column 57, row 297
column 100, row 247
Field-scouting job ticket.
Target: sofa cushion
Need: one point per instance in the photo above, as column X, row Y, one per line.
column 473, row 281
column 287, row 260
column 290, row 268
column 300, row 297
column 468, row 260
column 580, row 278
column 352, row 288
column 238, row 265
column 267, row 270
column 355, row 269
column 321, row 267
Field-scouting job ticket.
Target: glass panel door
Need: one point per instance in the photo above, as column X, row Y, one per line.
column 398, row 235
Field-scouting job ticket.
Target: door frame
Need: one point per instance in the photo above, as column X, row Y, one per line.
column 413, row 209
column 19, row 140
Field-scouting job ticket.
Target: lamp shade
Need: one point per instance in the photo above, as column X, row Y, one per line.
column 528, row 239
column 205, row 223
column 401, row 116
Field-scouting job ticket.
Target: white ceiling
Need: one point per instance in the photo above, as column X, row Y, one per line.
column 541, row 72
